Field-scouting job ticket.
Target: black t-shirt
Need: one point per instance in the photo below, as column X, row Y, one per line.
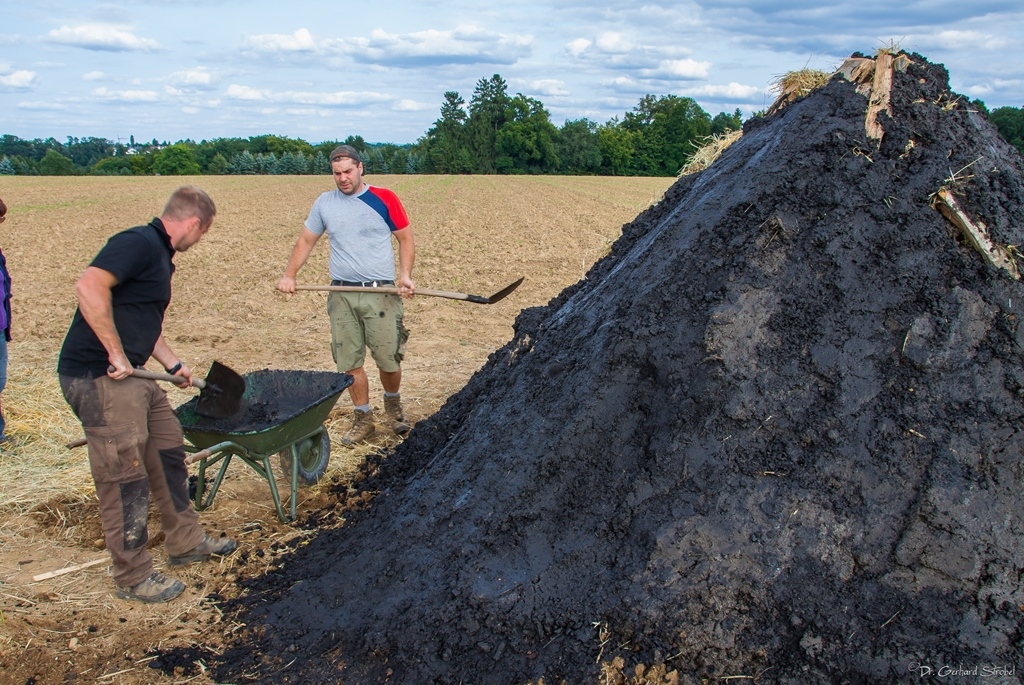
column 141, row 261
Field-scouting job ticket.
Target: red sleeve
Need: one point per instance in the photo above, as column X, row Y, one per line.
column 395, row 209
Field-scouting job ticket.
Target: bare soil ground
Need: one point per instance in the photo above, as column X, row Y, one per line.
column 474, row 234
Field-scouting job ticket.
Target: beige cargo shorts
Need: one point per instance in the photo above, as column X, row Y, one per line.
column 367, row 320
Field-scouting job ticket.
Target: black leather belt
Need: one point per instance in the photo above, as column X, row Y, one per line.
column 363, row 284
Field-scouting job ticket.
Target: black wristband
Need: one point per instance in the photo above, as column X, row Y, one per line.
column 174, row 369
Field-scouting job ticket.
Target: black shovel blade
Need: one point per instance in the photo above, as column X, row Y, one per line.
column 501, row 294
column 222, row 395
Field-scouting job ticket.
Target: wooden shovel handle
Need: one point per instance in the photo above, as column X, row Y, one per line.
column 388, row 290
column 154, row 376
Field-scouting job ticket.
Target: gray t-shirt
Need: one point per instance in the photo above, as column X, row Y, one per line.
column 359, row 231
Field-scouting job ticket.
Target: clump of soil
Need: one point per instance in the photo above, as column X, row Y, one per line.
column 72, row 519
column 776, row 433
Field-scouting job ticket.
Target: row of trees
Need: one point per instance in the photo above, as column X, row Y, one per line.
column 494, row 133
column 500, row 133
column 254, row 155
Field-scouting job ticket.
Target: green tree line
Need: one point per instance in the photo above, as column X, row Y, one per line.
column 495, row 132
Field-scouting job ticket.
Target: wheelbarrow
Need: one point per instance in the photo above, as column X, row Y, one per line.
column 282, row 412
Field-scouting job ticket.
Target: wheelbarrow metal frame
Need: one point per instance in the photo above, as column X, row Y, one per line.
column 259, row 462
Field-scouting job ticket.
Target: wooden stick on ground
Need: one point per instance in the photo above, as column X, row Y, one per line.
column 69, row 569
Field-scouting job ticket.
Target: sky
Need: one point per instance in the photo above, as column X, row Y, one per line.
column 173, row 70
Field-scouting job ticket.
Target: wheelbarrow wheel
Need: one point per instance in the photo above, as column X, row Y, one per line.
column 314, row 455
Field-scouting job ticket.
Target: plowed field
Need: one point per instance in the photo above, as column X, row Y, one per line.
column 474, row 235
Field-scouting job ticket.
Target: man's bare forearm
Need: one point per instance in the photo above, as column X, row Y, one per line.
column 300, row 253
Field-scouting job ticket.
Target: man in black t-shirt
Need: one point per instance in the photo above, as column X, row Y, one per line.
column 136, row 446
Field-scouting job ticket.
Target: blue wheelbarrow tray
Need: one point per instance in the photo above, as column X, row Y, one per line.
column 283, row 412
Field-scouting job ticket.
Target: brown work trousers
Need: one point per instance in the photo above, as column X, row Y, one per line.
column 136, row 449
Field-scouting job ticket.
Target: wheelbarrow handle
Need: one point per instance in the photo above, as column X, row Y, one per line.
column 197, row 456
column 189, row 459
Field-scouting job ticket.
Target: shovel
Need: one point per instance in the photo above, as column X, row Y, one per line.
column 220, row 394
column 475, row 299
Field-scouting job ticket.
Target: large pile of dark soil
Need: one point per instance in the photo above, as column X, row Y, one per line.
column 775, row 433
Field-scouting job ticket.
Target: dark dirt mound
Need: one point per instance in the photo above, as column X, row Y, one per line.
column 776, row 433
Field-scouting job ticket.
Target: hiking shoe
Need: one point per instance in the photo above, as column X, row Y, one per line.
column 393, row 408
column 362, row 428
column 153, row 590
column 204, row 550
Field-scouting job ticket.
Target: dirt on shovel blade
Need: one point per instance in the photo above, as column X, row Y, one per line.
column 775, row 434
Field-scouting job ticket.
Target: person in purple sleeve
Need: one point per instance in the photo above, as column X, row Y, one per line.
column 5, row 324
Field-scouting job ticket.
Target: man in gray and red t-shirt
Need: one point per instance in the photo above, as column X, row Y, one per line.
column 360, row 221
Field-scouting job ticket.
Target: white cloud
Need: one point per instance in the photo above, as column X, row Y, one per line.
column 577, row 47
column 997, row 85
column 336, row 99
column 626, row 84
column 680, row 68
column 190, row 110
column 236, row 92
column 43, row 106
column 198, row 78
column 300, row 41
column 411, row 106
column 960, row 40
column 462, row 45
column 613, row 42
column 102, row 37
column 732, row 91
column 548, row 86
column 126, row 95
column 305, row 111
column 20, row 80
column 94, row 76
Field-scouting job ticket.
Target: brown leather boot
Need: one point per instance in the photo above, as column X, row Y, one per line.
column 361, row 430
column 153, row 590
column 393, row 409
column 209, row 547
